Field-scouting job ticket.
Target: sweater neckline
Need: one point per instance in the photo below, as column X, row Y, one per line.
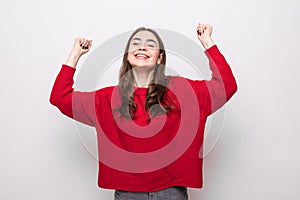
column 140, row 90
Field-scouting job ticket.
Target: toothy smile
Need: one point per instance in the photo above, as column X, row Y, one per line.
column 141, row 55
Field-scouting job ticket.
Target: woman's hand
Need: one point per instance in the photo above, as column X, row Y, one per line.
column 80, row 47
column 204, row 35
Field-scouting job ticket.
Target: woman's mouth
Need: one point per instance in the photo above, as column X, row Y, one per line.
column 141, row 56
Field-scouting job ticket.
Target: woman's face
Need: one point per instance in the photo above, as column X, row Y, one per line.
column 143, row 50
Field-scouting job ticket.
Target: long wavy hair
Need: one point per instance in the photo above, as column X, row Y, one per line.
column 157, row 101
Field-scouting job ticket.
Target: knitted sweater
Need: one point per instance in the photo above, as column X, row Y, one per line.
column 145, row 155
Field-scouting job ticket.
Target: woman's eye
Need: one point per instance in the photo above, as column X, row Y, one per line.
column 135, row 43
column 151, row 45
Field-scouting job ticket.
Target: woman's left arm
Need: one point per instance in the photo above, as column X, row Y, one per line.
column 220, row 88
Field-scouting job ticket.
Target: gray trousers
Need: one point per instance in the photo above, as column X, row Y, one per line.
column 171, row 193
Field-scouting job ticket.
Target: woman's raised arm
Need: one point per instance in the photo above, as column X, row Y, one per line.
column 214, row 93
column 77, row 105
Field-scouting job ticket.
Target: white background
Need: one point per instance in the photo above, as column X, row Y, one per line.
column 257, row 156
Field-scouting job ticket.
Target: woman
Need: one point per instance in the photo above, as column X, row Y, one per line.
column 131, row 115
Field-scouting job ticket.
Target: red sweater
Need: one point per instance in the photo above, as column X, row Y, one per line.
column 141, row 155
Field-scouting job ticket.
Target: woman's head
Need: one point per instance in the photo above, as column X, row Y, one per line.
column 144, row 49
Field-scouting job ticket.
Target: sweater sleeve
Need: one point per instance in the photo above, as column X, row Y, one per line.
column 214, row 93
column 74, row 104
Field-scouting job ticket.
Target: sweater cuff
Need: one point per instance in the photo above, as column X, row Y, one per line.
column 212, row 50
column 67, row 70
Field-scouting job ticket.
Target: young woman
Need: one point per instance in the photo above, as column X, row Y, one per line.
column 148, row 112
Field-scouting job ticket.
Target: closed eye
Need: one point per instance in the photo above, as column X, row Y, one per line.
column 151, row 44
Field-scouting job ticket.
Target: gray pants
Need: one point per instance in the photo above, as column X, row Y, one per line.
column 171, row 193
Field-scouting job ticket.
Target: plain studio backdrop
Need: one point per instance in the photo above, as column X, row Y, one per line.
column 257, row 154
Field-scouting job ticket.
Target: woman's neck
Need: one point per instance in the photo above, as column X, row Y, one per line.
column 142, row 76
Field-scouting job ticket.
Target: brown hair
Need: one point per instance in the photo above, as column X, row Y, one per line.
column 156, row 88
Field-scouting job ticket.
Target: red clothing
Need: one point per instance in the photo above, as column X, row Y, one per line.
column 146, row 156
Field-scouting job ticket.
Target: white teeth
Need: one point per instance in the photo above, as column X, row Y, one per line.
column 141, row 55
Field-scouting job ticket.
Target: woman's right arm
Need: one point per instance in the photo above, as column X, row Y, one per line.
column 77, row 105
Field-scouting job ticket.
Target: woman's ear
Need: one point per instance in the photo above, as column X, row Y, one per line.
column 159, row 58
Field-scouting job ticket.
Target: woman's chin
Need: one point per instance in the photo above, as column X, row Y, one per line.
column 145, row 65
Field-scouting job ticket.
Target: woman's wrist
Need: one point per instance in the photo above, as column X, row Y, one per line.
column 72, row 59
column 207, row 43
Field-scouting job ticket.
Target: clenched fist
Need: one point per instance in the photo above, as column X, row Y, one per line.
column 80, row 47
column 204, row 35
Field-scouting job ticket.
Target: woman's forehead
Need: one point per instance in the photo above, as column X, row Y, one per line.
column 145, row 35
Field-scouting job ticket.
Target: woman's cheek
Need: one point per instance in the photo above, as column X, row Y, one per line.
column 130, row 59
column 154, row 58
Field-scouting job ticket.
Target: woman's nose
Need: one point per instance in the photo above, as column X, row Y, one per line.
column 142, row 46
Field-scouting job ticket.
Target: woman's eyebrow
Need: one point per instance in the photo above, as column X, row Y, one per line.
column 148, row 40
column 139, row 39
